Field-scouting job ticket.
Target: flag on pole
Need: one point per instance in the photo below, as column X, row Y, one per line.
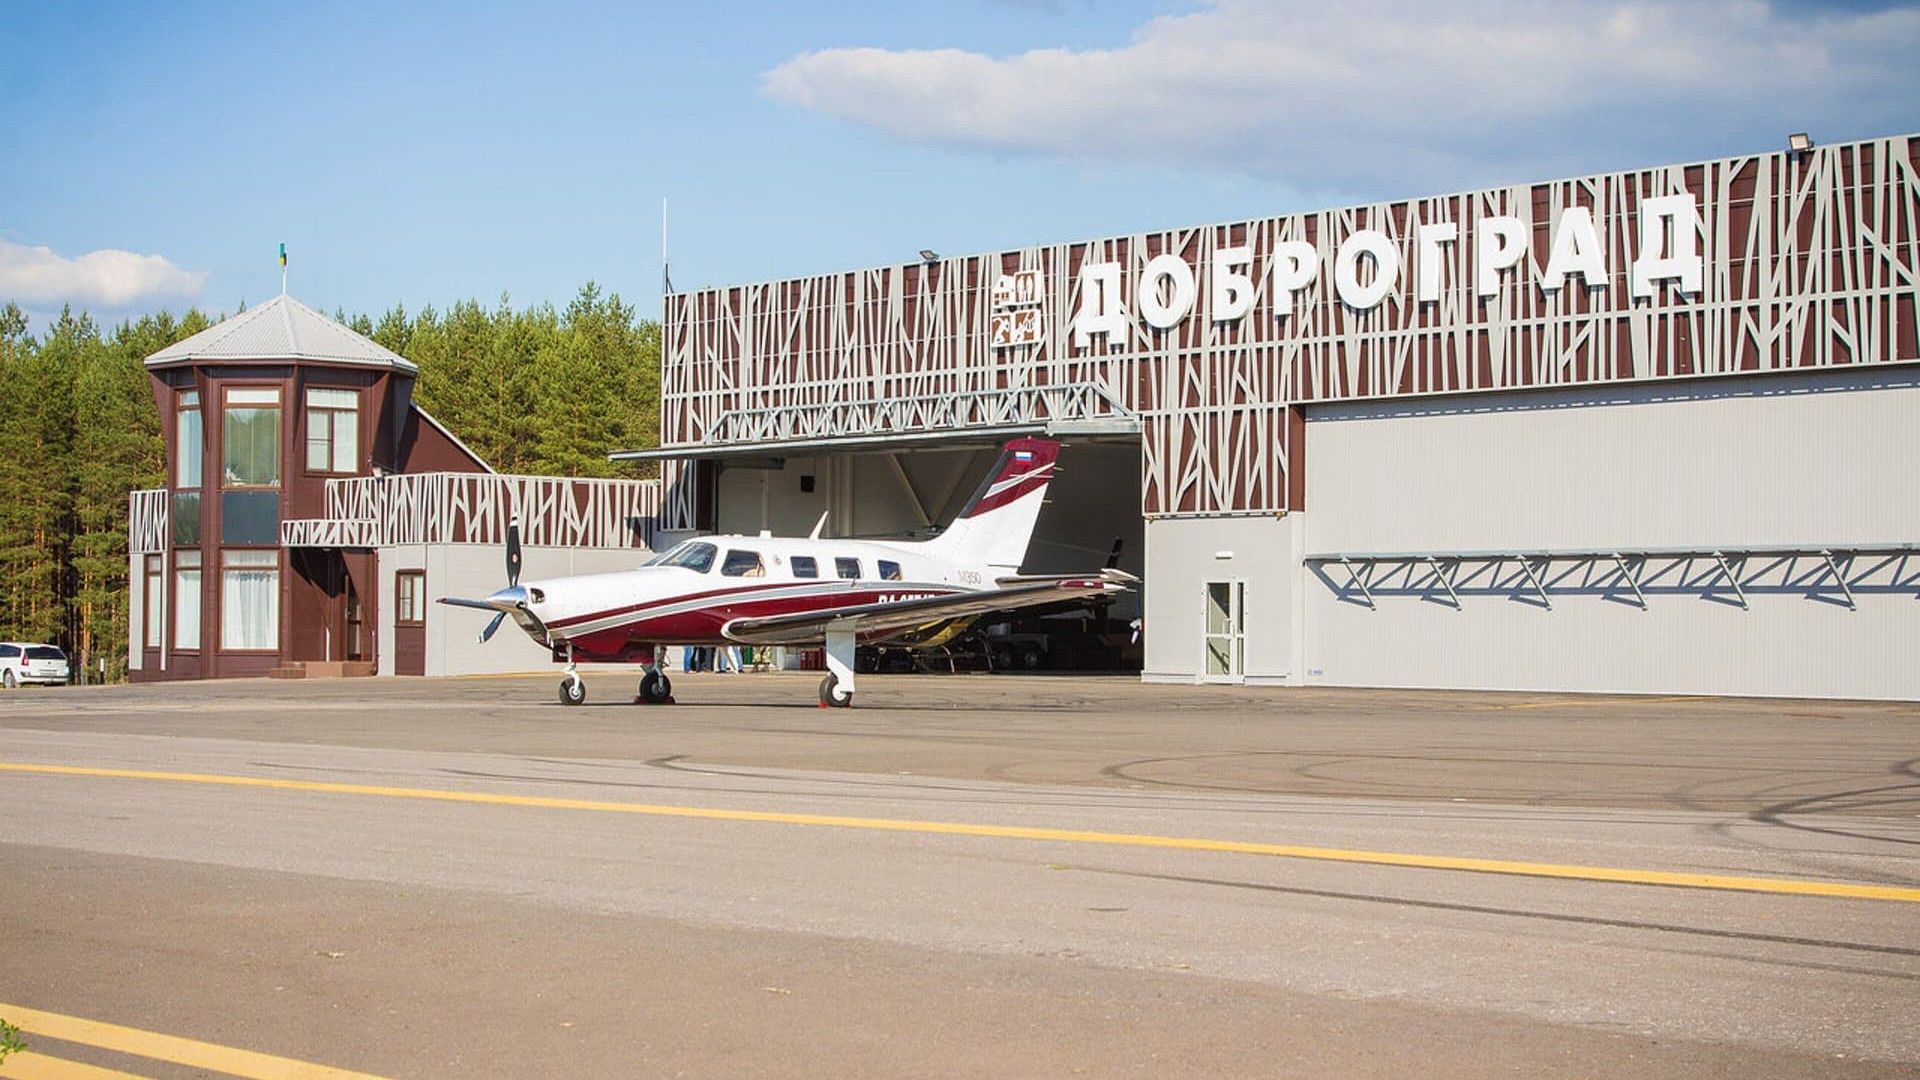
column 283, row 256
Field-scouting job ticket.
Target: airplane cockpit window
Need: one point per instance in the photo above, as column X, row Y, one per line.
column 889, row 570
column 743, row 564
column 847, row 568
column 804, row 566
column 691, row 555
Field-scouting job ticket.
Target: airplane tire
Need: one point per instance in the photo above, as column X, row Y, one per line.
column 827, row 696
column 655, row 688
column 572, row 691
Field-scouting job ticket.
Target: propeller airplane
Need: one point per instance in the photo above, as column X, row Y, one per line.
column 767, row 590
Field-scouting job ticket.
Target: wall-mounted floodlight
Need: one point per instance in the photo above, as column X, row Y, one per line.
column 1223, row 554
column 929, row 255
column 1799, row 142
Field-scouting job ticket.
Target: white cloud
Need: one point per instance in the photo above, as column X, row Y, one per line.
column 105, row 279
column 1374, row 95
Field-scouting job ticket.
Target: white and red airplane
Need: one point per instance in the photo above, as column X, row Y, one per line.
column 766, row 590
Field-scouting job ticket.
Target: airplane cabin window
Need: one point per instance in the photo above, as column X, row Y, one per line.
column 743, row 564
column 692, row 555
column 889, row 570
column 847, row 568
column 804, row 566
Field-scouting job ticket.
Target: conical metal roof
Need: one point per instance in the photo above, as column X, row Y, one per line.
column 281, row 329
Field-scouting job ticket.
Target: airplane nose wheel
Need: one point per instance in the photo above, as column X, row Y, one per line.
column 655, row 688
column 831, row 695
column 573, row 689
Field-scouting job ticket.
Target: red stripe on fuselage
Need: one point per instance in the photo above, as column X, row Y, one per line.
column 701, row 626
column 667, row 601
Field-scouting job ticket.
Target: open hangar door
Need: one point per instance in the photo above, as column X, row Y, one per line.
column 912, row 492
column 1092, row 505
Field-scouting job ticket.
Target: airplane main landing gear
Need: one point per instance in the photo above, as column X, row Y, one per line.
column 830, row 695
column 836, row 690
column 656, row 688
column 573, row 689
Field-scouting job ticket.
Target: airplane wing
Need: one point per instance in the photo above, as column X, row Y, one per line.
column 872, row 621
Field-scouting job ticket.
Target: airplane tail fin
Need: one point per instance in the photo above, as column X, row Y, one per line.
column 998, row 521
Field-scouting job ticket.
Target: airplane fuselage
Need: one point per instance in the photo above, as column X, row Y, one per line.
column 686, row 595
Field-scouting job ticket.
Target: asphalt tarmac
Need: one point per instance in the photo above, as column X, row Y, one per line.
column 985, row 876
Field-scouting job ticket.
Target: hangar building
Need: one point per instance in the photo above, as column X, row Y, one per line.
column 1645, row 431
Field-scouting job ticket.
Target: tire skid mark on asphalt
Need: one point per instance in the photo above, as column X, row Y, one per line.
column 1604, row 874
column 1572, row 918
column 173, row 1049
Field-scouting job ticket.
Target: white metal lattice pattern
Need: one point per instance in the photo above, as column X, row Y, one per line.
column 474, row 508
column 1808, row 261
column 330, row 533
column 147, row 521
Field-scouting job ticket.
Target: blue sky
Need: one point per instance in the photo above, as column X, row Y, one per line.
column 155, row 155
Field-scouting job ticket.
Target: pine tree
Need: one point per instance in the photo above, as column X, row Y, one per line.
column 117, row 448
column 36, row 469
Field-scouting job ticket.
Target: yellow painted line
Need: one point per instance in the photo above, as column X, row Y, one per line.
column 1784, row 886
column 1598, row 702
column 27, row 1065
column 170, row 1048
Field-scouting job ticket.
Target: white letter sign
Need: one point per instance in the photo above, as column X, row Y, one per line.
column 1164, row 313
column 1669, row 245
column 1099, row 314
column 1294, row 264
column 1232, row 295
column 1427, row 240
column 1346, row 268
column 1499, row 242
column 1576, row 250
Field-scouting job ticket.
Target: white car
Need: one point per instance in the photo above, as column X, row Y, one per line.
column 21, row 662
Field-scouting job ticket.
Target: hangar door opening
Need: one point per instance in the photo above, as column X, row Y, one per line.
column 912, row 493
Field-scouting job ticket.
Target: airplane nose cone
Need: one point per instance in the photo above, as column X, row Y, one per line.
column 509, row 597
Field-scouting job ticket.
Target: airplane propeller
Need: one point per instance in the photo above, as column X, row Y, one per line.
column 513, row 576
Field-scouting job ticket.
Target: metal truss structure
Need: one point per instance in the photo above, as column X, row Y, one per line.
column 1734, row 574
column 1807, row 261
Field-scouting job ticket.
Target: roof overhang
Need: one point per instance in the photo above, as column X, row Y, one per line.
column 284, row 360
column 771, row 454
